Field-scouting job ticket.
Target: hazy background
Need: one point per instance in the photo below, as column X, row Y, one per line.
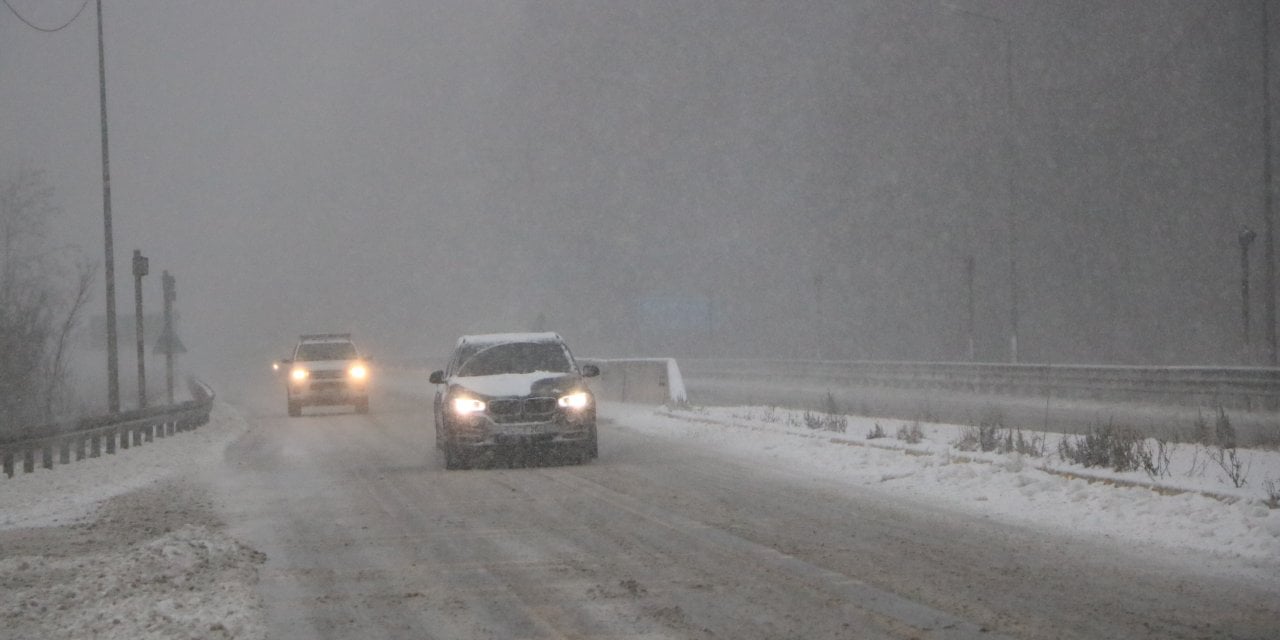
column 746, row 178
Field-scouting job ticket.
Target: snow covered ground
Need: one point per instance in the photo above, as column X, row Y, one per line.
column 1196, row 507
column 125, row 546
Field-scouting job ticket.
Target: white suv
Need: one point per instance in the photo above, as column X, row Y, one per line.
column 326, row 369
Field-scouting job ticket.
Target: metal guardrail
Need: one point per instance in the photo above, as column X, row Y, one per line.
column 90, row 437
column 1248, row 388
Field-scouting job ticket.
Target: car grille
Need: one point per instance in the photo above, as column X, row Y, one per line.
column 328, row 374
column 522, row 410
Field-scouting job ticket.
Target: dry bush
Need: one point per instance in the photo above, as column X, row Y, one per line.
column 1120, row 448
column 912, row 434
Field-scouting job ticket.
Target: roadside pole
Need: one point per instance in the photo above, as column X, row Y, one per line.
column 140, row 268
column 170, row 294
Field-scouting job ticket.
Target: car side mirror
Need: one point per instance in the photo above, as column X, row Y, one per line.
column 437, row 377
column 590, row 370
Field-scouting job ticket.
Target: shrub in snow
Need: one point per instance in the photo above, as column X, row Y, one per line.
column 1273, row 493
column 1224, row 433
column 980, row 438
column 825, row 422
column 876, row 432
column 1117, row 447
column 830, row 406
column 992, row 438
column 1231, row 464
column 1156, row 462
column 838, row 423
column 1201, row 433
column 1221, row 433
column 912, row 434
column 1032, row 446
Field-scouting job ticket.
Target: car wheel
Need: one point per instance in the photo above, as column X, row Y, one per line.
column 453, row 457
column 362, row 405
column 593, row 444
column 295, row 409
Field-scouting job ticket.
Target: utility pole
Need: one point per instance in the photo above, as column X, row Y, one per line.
column 141, row 267
column 1246, row 238
column 170, row 294
column 1268, row 214
column 113, row 362
column 970, row 269
column 817, row 316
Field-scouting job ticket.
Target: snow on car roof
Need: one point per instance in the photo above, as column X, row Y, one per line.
column 325, row 337
column 495, row 338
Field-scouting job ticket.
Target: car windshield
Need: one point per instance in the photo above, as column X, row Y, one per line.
column 517, row 357
column 326, row 351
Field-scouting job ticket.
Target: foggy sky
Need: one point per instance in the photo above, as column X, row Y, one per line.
column 665, row 178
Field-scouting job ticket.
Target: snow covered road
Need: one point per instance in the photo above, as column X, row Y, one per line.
column 675, row 533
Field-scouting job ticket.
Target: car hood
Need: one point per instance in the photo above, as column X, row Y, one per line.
column 538, row 383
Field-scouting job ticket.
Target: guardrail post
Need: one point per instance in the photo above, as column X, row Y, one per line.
column 124, row 437
column 95, row 449
column 7, row 462
column 64, row 451
column 111, row 437
column 80, row 447
column 46, row 456
column 28, row 460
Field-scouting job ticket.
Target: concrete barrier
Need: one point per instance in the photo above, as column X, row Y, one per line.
column 639, row 380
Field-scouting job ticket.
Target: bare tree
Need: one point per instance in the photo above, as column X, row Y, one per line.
column 37, row 311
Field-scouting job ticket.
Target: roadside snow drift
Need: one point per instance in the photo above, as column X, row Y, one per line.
column 126, row 546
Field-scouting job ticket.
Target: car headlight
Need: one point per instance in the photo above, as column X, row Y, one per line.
column 299, row 374
column 358, row 372
column 577, row 400
column 467, row 406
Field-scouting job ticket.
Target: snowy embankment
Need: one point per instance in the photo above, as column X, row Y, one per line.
column 126, row 546
column 1235, row 523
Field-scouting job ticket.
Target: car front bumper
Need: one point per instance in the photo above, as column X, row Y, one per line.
column 327, row 392
column 481, row 432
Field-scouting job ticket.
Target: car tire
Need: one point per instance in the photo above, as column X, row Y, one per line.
column 362, row 405
column 453, row 457
column 295, row 409
column 593, row 444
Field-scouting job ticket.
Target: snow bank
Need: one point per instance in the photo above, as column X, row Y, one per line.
column 189, row 583
column 121, row 547
column 70, row 492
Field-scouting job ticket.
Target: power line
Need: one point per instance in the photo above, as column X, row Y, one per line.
column 44, row 29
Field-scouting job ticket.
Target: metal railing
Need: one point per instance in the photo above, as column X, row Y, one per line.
column 1248, row 388
column 91, row 437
